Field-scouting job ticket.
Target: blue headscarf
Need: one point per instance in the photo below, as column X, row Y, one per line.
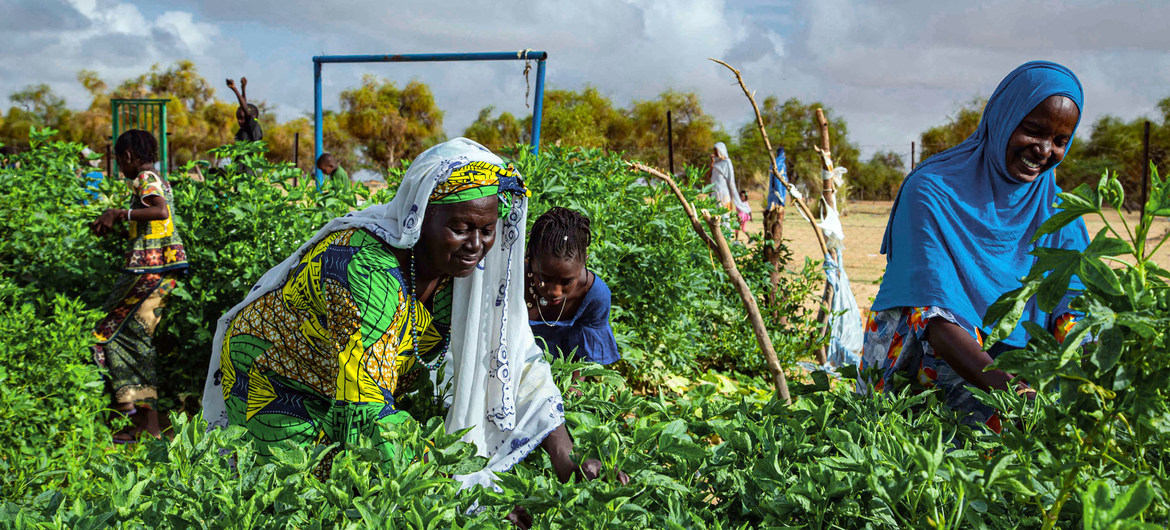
column 777, row 193
column 960, row 230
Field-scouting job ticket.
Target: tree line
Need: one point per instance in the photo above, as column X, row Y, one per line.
column 380, row 123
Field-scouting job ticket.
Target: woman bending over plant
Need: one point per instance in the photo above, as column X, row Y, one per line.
column 568, row 305
column 959, row 237
column 349, row 335
column 153, row 263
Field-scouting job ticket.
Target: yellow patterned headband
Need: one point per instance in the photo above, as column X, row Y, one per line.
column 475, row 180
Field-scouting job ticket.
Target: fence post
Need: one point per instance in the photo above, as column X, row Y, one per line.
column 670, row 142
column 297, row 159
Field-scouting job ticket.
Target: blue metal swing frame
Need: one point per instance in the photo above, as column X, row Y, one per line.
column 537, row 105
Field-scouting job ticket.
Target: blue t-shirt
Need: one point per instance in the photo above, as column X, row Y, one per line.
column 587, row 335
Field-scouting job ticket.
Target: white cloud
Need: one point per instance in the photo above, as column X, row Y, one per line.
column 891, row 69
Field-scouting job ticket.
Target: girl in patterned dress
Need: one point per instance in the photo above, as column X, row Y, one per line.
column 151, row 267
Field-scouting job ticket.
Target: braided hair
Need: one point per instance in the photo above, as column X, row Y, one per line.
column 560, row 233
column 139, row 143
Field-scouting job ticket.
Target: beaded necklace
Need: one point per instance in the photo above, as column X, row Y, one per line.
column 414, row 330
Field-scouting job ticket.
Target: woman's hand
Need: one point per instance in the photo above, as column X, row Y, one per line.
column 105, row 222
column 591, row 470
column 520, row 518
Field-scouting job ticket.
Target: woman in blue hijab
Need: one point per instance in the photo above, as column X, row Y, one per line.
column 959, row 237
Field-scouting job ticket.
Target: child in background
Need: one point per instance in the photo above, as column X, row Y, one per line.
column 328, row 165
column 246, row 114
column 153, row 263
column 744, row 216
column 568, row 305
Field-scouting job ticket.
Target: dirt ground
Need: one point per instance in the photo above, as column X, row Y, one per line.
column 865, row 223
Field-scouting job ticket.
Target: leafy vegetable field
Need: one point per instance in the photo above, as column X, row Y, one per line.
column 688, row 414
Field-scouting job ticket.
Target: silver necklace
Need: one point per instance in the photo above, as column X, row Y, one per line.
column 541, row 301
column 544, row 302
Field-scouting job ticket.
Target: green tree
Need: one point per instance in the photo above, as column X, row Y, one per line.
column 35, row 106
column 494, row 133
column 878, row 178
column 692, row 128
column 388, row 123
column 93, row 124
column 582, row 119
column 793, row 126
column 957, row 128
column 1116, row 145
column 197, row 121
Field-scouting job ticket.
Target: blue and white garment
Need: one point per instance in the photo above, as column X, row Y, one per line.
column 587, row 335
column 959, row 235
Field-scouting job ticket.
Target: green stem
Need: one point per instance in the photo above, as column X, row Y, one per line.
column 1160, row 243
column 1124, row 224
column 1109, row 226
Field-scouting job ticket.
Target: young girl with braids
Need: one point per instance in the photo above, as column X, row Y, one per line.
column 568, row 305
column 154, row 261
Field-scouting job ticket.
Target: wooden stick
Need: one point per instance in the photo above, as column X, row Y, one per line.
column 775, row 170
column 749, row 301
column 829, row 194
column 690, row 210
column 718, row 244
column 827, row 190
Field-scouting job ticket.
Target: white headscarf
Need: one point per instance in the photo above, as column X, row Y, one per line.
column 723, row 177
column 501, row 386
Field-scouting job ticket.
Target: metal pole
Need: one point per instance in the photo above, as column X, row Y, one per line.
column 1145, row 166
column 297, row 158
column 166, row 143
column 318, row 143
column 911, row 156
column 538, row 106
column 670, row 142
column 116, row 123
column 432, row 57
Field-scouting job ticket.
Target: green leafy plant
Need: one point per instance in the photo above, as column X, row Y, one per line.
column 1103, row 390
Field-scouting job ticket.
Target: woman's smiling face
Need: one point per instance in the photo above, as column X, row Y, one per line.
column 455, row 237
column 1041, row 139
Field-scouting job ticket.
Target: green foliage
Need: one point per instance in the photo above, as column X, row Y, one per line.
column 496, row 133
column 957, row 128
column 641, row 235
column 390, row 123
column 793, row 126
column 589, row 119
column 1103, row 389
column 47, row 242
column 1116, row 144
column 878, row 178
column 692, row 421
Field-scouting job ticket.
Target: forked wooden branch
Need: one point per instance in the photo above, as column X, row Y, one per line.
column 829, row 194
column 718, row 244
column 804, row 209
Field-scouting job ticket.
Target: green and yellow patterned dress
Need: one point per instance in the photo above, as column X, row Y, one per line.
column 327, row 356
column 151, row 268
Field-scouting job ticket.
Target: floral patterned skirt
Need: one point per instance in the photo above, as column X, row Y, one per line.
column 125, row 337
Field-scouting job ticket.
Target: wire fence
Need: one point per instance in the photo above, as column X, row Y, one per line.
column 864, row 223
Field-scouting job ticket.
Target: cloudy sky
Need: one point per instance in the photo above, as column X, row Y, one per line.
column 891, row 68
